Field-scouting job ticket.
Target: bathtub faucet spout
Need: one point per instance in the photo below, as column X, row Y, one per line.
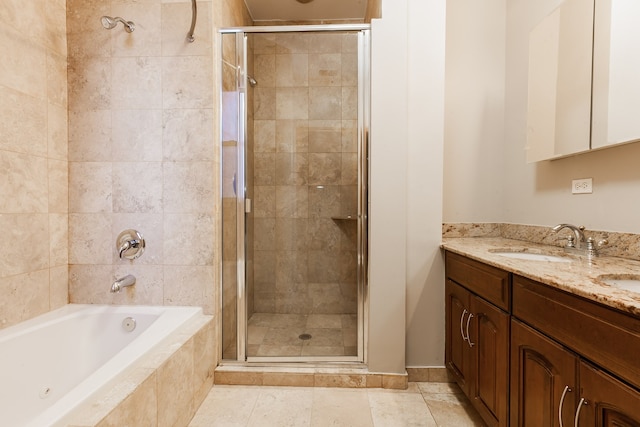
column 128, row 280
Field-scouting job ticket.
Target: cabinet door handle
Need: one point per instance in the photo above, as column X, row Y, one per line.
column 469, row 336
column 462, row 325
column 580, row 405
column 564, row 394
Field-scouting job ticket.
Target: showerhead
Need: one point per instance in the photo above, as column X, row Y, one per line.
column 253, row 82
column 110, row 23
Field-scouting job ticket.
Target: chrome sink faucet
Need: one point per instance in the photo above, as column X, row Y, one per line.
column 577, row 231
column 574, row 244
column 128, row 280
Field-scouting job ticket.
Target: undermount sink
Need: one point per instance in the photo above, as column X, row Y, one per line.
column 628, row 282
column 530, row 256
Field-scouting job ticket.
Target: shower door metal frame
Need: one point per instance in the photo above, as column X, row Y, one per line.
column 243, row 204
column 241, row 207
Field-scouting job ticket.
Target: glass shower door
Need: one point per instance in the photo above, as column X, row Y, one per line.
column 233, row 97
column 299, row 209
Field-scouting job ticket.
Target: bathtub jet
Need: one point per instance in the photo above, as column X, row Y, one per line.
column 128, row 280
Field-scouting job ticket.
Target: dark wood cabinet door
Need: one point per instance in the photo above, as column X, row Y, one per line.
column 607, row 401
column 600, row 334
column 457, row 349
column 543, row 380
column 489, row 338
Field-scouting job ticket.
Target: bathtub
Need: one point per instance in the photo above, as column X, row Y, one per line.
column 51, row 364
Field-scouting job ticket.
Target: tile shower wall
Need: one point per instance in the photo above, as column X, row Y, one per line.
column 33, row 158
column 305, row 155
column 142, row 150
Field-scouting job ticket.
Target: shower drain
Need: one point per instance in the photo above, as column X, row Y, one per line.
column 304, row 337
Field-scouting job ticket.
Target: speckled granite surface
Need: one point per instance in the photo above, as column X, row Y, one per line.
column 622, row 245
column 580, row 276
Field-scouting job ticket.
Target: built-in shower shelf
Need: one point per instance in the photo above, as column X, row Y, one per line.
column 345, row 218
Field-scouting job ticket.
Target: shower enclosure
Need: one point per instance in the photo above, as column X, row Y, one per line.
column 295, row 117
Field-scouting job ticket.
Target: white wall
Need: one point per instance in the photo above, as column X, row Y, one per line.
column 540, row 193
column 425, row 271
column 486, row 177
column 474, row 111
column 406, row 186
column 388, row 193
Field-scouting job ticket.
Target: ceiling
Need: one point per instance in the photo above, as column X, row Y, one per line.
column 316, row 10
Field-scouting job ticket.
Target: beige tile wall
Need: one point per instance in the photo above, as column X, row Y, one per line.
column 141, row 152
column 143, row 149
column 33, row 158
column 305, row 155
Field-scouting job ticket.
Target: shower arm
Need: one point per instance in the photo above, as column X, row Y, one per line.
column 110, row 23
column 194, row 17
column 127, row 24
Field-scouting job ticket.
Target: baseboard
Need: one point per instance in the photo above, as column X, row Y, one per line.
column 308, row 377
column 431, row 374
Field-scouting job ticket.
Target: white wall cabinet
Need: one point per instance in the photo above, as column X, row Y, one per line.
column 559, row 103
column 616, row 73
column 584, row 90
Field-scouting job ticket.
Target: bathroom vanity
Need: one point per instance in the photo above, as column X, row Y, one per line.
column 534, row 342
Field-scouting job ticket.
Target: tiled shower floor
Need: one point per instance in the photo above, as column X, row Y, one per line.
column 272, row 334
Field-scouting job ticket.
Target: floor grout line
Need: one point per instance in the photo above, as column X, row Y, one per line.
column 371, row 407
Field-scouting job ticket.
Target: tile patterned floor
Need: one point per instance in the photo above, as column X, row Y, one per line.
column 278, row 335
column 422, row 404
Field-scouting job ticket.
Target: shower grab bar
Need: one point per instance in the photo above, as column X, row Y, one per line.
column 194, row 16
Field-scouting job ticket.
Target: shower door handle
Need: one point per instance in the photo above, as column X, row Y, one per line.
column 247, row 206
column 235, row 184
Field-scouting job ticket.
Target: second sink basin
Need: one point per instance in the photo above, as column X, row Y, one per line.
column 530, row 256
column 628, row 282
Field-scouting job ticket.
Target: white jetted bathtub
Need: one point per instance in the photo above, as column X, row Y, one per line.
column 51, row 364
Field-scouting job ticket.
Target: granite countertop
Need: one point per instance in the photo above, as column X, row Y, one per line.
column 579, row 277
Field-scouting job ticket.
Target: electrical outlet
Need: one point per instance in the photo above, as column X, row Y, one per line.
column 582, row 186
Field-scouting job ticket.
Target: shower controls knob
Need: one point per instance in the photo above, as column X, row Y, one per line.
column 130, row 244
